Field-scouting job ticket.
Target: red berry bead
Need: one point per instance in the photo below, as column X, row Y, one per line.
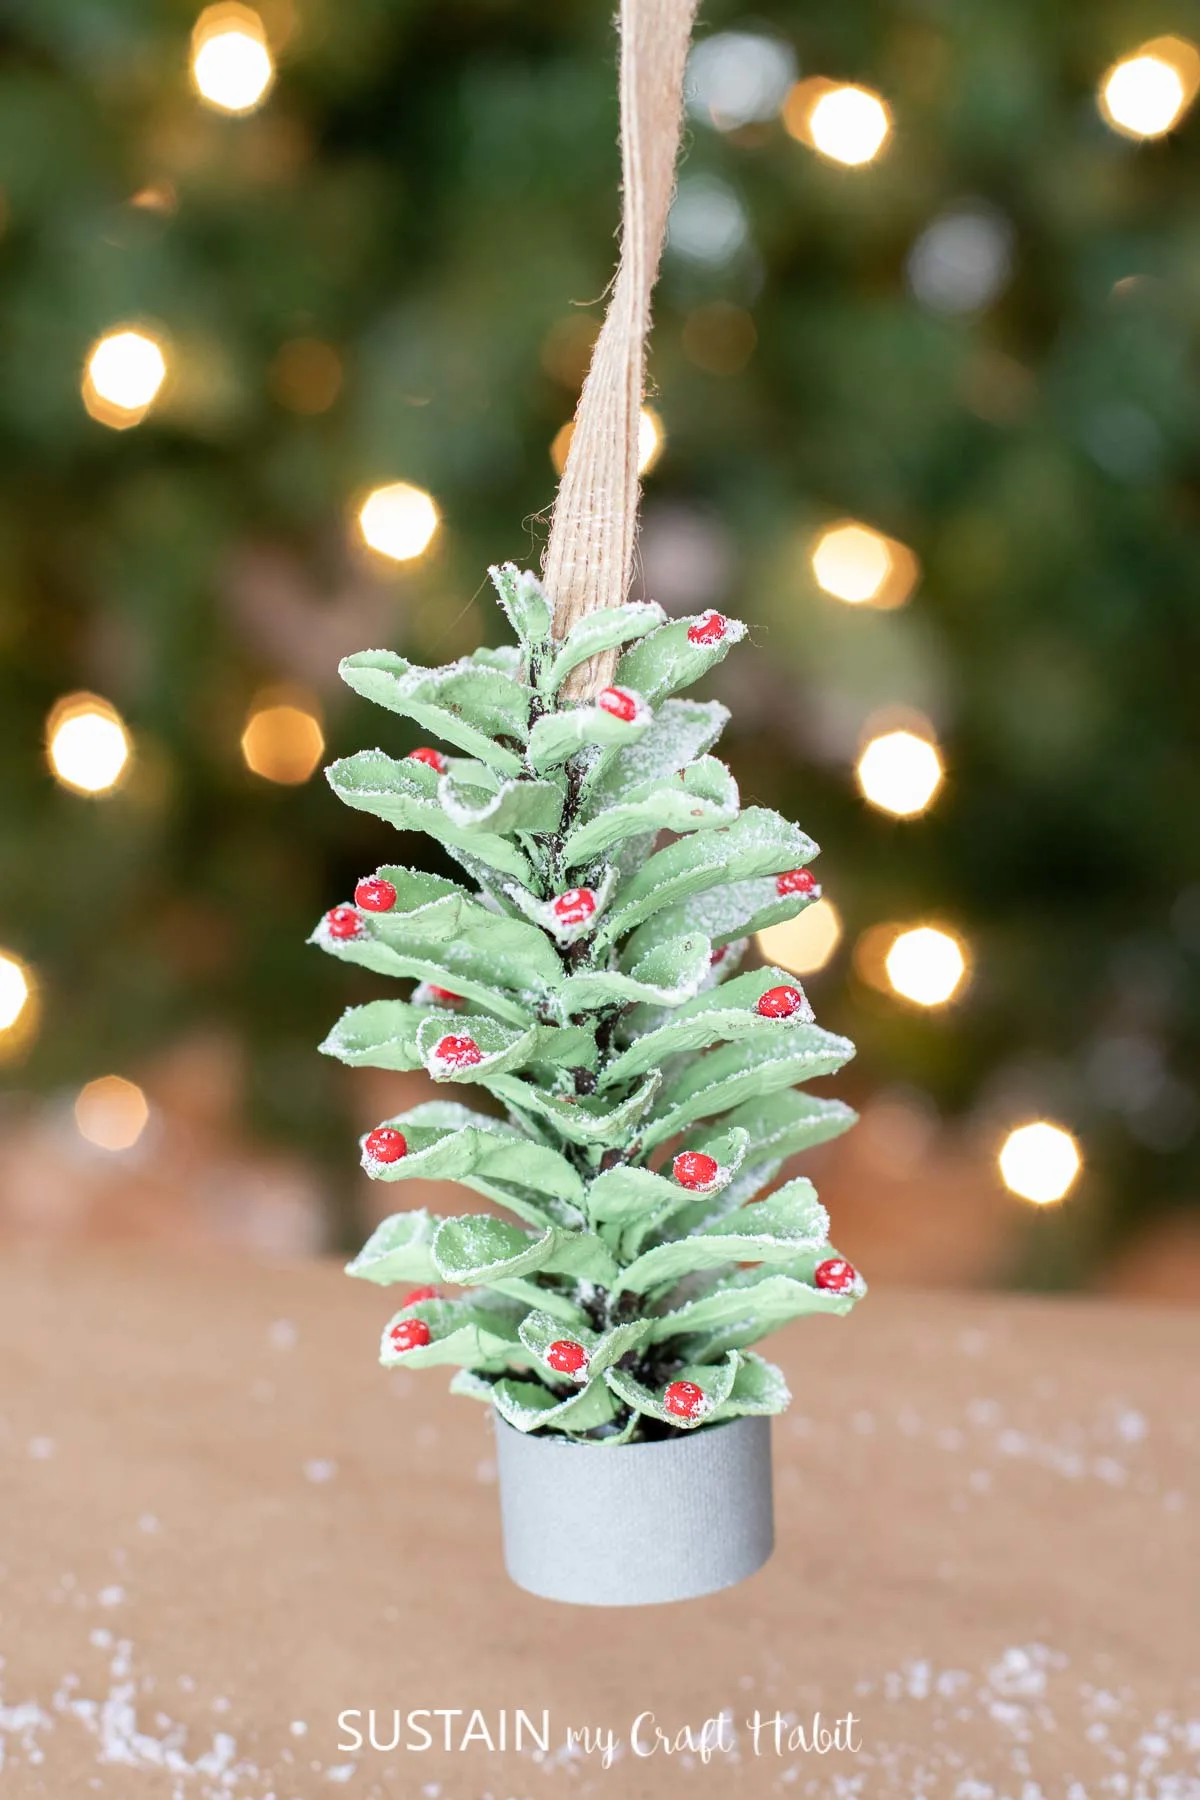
column 433, row 759
column 375, row 894
column 425, row 1293
column 573, row 907
column 443, row 996
column 684, row 1399
column 718, row 956
column 343, row 922
column 708, row 629
column 836, row 1275
column 459, row 1052
column 619, row 702
column 693, row 1169
column 567, row 1356
column 386, row 1144
column 796, row 881
column 410, row 1334
column 780, row 1002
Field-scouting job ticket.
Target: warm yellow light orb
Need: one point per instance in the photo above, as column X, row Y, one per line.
column 15, row 989
column 398, row 521
column 855, row 563
column 804, row 944
column 111, row 1113
column 87, row 744
column 1144, row 95
column 283, row 743
column 849, row 124
column 651, row 441
column 124, row 371
column 1039, row 1162
column 231, row 64
column 900, row 773
column 926, row 965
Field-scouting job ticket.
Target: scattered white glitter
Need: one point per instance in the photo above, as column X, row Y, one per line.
column 485, row 1471
column 41, row 1448
column 283, row 1335
column 110, row 1596
column 1132, row 1426
column 340, row 1772
column 319, row 1469
column 298, row 1728
column 148, row 1523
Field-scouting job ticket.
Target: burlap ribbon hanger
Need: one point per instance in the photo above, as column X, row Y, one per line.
column 589, row 557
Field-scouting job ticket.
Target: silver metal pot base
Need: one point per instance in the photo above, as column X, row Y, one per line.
column 637, row 1524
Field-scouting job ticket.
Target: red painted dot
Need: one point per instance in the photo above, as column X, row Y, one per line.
column 567, row 1356
column 708, row 629
column 780, row 1002
column 425, row 1293
column 836, row 1275
column 385, row 1144
column 343, row 922
column 375, row 894
column 684, row 1399
column 459, row 1052
column 410, row 1334
column 433, row 759
column 619, row 702
column 443, row 996
column 796, row 881
column 692, row 1169
column 573, row 907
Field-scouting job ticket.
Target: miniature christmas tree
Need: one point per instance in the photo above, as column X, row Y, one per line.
column 643, row 1091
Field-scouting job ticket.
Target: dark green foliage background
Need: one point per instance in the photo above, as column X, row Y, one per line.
column 430, row 188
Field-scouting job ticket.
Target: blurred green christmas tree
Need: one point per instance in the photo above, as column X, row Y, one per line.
column 924, row 354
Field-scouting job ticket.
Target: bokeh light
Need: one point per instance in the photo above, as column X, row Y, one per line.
column 231, row 63
column 846, row 123
column 804, row 944
column 398, row 521
column 651, row 441
column 738, row 78
column 16, row 990
column 123, row 375
column 900, row 773
column 111, row 1113
column 283, row 740
column 926, row 965
column 855, row 563
column 1040, row 1162
column 87, row 744
column 1147, row 93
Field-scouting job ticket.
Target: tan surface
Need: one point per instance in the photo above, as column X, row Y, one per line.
column 222, row 1525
